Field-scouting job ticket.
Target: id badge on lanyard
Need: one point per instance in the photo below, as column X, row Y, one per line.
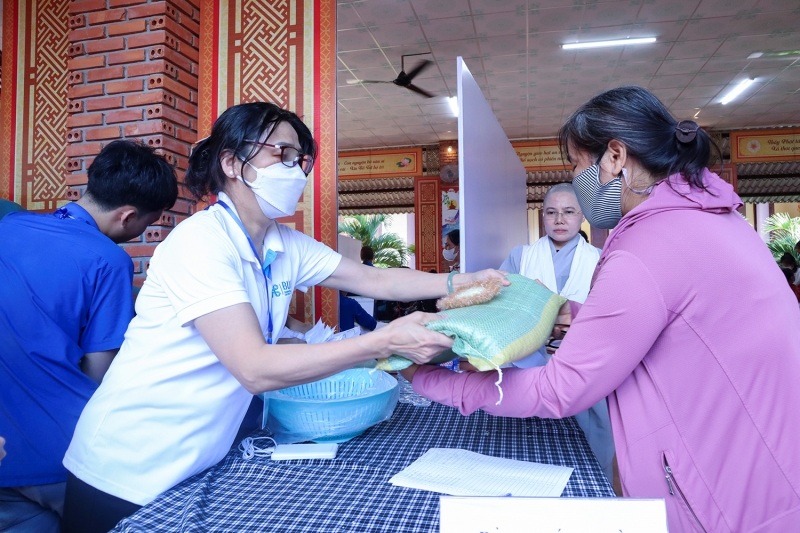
column 265, row 269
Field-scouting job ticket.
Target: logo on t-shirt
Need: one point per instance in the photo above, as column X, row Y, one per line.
column 284, row 289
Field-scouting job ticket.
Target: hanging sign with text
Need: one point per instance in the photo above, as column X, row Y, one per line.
column 765, row 145
column 539, row 156
column 397, row 163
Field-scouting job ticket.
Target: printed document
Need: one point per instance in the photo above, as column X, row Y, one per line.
column 464, row 473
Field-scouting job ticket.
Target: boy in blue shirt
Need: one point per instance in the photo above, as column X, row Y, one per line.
column 351, row 313
column 65, row 303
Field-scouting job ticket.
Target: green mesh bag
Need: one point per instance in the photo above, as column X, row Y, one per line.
column 511, row 326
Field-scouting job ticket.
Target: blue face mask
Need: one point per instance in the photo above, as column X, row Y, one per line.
column 600, row 203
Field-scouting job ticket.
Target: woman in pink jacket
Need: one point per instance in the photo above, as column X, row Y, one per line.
column 688, row 330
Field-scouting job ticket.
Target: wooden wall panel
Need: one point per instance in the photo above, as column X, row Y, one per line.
column 33, row 103
column 283, row 51
column 427, row 202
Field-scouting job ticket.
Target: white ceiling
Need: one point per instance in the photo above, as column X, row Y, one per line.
column 512, row 47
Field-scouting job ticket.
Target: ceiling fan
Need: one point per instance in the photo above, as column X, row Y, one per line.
column 403, row 79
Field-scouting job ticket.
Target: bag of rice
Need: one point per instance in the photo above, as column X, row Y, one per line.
column 510, row 326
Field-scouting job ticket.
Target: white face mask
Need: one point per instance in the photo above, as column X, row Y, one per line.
column 449, row 255
column 278, row 189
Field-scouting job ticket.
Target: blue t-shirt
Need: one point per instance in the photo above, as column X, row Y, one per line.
column 65, row 290
column 350, row 312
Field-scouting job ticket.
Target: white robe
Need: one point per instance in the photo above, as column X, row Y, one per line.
column 537, row 263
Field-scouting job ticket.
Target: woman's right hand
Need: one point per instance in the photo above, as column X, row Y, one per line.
column 563, row 321
column 408, row 336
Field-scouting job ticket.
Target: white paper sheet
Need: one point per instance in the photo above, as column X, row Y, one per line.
column 321, row 332
column 548, row 515
column 464, row 473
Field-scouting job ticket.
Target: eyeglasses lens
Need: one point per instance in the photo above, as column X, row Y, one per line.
column 567, row 215
column 290, row 157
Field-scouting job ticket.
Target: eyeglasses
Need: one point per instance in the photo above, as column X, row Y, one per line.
column 291, row 156
column 567, row 214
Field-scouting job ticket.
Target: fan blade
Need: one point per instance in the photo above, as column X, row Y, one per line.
column 362, row 82
column 419, row 68
column 417, row 90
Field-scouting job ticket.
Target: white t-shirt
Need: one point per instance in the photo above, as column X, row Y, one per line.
column 167, row 408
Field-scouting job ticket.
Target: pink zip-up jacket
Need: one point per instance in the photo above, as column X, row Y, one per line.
column 693, row 334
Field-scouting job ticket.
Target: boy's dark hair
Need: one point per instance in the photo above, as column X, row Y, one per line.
column 234, row 131
column 129, row 173
column 367, row 254
column 788, row 259
column 455, row 237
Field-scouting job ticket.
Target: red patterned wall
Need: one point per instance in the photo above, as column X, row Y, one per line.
column 283, row 51
column 427, row 202
column 33, row 127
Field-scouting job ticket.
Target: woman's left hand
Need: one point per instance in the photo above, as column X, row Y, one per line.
column 409, row 372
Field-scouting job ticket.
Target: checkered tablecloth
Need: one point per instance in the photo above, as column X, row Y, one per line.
column 351, row 493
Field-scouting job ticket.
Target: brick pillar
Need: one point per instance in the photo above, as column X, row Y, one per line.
column 132, row 74
column 448, row 153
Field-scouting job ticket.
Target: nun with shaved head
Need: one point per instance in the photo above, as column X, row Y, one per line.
column 564, row 262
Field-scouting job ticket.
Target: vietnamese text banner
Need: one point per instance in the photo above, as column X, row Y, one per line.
column 765, row 145
column 380, row 163
column 537, row 156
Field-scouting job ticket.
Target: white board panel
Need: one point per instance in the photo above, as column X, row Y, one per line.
column 350, row 248
column 492, row 182
column 459, row 514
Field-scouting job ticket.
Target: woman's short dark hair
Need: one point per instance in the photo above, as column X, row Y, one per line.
column 639, row 120
column 367, row 254
column 788, row 259
column 232, row 132
column 130, row 173
column 455, row 237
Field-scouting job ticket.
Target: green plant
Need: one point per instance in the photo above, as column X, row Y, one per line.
column 784, row 233
column 390, row 250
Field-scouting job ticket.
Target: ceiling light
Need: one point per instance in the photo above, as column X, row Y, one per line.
column 453, row 101
column 599, row 44
column 784, row 54
column 736, row 91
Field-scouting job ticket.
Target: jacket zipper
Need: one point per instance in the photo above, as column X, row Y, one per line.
column 671, row 482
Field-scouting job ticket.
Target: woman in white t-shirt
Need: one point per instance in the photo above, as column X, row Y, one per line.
column 205, row 337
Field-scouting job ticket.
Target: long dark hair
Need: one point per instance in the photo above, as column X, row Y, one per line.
column 639, row 120
column 231, row 132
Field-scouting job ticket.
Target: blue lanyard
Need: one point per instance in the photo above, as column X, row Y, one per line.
column 265, row 269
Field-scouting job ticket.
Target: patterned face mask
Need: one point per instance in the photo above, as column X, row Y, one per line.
column 600, row 203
